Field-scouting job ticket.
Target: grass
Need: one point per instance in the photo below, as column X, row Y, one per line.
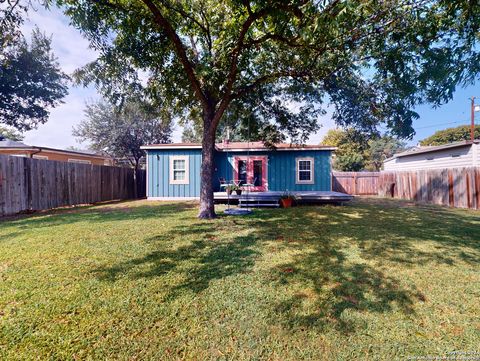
column 376, row 279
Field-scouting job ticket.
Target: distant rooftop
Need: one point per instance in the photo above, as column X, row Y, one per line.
column 11, row 144
column 7, row 143
column 433, row 148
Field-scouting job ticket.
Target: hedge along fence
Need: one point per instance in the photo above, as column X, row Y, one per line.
column 456, row 187
column 32, row 184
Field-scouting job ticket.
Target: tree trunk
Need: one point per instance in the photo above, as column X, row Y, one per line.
column 207, row 207
column 135, row 180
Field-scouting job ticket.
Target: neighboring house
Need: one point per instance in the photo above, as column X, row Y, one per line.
column 18, row 149
column 453, row 155
column 173, row 170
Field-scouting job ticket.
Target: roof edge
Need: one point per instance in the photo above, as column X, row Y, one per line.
column 436, row 148
column 234, row 149
column 56, row 150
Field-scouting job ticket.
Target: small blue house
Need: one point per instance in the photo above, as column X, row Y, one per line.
column 173, row 170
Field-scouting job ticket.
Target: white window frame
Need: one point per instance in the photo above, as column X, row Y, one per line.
column 79, row 161
column 186, row 158
column 312, row 170
column 43, row 157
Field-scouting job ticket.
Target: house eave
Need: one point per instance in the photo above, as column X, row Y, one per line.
column 156, row 147
column 433, row 149
column 170, row 147
column 53, row 150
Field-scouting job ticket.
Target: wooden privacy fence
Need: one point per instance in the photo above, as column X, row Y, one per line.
column 32, row 184
column 457, row 187
column 355, row 183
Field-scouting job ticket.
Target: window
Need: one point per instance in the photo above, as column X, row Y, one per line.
column 81, row 161
column 179, row 169
column 242, row 171
column 305, row 171
column 44, row 157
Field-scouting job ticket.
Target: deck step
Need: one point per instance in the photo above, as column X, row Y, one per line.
column 253, row 205
column 259, row 202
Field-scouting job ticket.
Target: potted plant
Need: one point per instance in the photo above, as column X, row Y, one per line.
column 238, row 190
column 229, row 189
column 286, row 200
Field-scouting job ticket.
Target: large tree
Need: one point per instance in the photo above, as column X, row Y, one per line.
column 352, row 146
column 358, row 151
column 31, row 81
column 450, row 135
column 276, row 62
column 380, row 149
column 121, row 131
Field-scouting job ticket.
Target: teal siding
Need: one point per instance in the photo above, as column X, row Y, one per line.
column 159, row 176
column 281, row 172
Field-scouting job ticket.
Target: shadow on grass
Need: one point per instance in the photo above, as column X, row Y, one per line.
column 202, row 261
column 342, row 256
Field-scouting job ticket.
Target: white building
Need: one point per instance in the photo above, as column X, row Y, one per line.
column 453, row 155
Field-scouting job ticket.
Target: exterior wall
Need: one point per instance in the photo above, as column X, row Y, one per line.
column 58, row 156
column 447, row 158
column 281, row 169
column 476, row 155
column 158, row 174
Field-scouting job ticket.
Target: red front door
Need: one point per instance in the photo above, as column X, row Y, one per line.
column 251, row 170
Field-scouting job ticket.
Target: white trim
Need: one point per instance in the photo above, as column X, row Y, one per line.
column 79, row 161
column 173, row 198
column 146, row 175
column 173, row 158
column 312, row 170
column 42, row 157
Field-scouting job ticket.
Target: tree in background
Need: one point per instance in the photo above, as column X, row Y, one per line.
column 351, row 147
column 31, row 81
column 121, row 131
column 450, row 135
column 380, row 149
column 358, row 151
column 212, row 61
column 10, row 134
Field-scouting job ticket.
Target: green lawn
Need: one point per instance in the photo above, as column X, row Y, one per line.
column 375, row 279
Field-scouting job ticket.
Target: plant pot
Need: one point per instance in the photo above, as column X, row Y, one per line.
column 286, row 202
column 229, row 191
column 239, row 192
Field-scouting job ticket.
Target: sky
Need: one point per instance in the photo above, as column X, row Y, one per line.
column 73, row 51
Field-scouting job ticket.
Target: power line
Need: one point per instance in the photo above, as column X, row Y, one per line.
column 438, row 125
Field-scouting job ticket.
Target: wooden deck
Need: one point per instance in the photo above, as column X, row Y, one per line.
column 271, row 199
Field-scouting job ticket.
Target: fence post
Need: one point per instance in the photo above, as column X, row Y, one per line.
column 451, row 198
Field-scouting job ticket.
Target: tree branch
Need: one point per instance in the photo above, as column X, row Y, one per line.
column 180, row 51
column 204, row 28
column 232, row 74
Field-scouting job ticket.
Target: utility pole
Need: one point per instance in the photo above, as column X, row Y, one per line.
column 472, row 120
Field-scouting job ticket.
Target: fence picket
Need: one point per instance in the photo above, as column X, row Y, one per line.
column 34, row 184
